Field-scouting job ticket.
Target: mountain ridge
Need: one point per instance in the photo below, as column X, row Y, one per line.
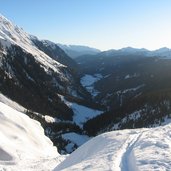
column 36, row 75
column 118, row 89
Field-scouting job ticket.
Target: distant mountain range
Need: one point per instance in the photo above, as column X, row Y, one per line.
column 162, row 52
column 76, row 50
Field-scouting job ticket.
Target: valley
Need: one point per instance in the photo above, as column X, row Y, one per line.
column 80, row 108
column 118, row 89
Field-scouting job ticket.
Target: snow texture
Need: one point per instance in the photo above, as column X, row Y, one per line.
column 11, row 103
column 126, row 150
column 81, row 113
column 23, row 145
column 131, row 76
column 11, row 34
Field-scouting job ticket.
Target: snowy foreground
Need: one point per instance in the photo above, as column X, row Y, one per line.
column 128, row 150
column 24, row 147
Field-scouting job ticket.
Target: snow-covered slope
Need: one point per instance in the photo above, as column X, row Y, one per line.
column 55, row 52
column 27, row 63
column 127, row 150
column 34, row 74
column 11, row 34
column 88, row 82
column 23, row 145
column 81, row 113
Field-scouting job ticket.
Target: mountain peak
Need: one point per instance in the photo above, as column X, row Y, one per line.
column 163, row 49
column 11, row 34
column 7, row 26
column 131, row 49
column 4, row 19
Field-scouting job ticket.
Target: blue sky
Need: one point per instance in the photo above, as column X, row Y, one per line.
column 104, row 24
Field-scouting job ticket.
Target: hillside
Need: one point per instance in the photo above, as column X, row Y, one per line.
column 126, row 150
column 23, row 145
column 118, row 89
column 36, row 74
column 134, row 88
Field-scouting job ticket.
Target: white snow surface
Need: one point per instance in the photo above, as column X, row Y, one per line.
column 23, row 145
column 88, row 82
column 11, row 34
column 81, row 113
column 126, row 150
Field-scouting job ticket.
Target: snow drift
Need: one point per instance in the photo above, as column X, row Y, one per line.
column 23, row 145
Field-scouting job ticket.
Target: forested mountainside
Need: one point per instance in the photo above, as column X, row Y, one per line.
column 127, row 88
column 39, row 76
column 133, row 85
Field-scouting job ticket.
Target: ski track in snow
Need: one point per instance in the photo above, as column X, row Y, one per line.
column 123, row 159
column 128, row 159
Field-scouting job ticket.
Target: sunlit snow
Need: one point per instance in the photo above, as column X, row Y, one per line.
column 81, row 113
column 23, row 145
column 127, row 150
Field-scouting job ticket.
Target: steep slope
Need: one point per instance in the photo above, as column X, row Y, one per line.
column 31, row 67
column 36, row 74
column 127, row 150
column 53, row 50
column 23, row 143
column 23, row 146
column 11, row 103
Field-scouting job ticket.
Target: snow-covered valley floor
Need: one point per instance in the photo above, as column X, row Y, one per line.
column 24, row 147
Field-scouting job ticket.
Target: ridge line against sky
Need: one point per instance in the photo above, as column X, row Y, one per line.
column 102, row 24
